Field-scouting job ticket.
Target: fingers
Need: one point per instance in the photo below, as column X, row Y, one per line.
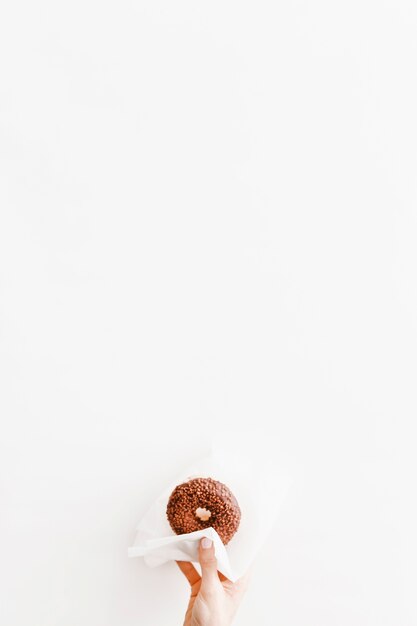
column 210, row 577
column 208, row 562
column 189, row 572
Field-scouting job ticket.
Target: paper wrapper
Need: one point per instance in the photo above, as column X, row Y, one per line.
column 260, row 492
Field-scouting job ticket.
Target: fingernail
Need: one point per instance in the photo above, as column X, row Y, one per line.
column 206, row 543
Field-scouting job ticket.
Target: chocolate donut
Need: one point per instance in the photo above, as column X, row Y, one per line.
column 201, row 503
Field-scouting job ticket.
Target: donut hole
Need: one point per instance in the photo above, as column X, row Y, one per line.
column 202, row 514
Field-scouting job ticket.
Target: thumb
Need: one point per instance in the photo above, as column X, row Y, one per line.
column 208, row 562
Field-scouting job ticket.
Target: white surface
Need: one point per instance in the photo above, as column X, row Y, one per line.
column 208, row 221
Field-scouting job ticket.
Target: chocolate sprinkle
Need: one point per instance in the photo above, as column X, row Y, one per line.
column 208, row 494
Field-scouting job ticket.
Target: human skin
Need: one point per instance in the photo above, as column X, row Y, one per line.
column 214, row 599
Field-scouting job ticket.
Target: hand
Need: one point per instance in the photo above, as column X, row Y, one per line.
column 214, row 599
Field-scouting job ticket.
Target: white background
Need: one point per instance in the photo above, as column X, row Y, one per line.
column 208, row 225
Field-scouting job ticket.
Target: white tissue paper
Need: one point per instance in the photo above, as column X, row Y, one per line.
column 260, row 491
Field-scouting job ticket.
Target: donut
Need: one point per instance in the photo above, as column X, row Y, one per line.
column 202, row 503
